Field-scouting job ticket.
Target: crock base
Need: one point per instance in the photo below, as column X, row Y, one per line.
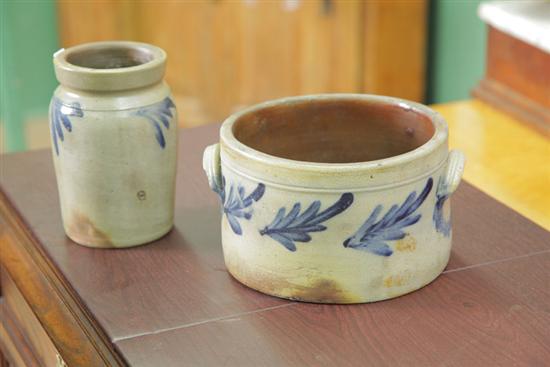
column 323, row 291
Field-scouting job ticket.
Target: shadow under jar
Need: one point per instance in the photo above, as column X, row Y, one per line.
column 114, row 135
column 338, row 198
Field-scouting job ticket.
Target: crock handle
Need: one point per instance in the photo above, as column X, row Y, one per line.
column 454, row 171
column 212, row 167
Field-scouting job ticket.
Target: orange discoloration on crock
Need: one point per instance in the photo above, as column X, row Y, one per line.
column 83, row 231
column 318, row 290
column 396, row 280
column 322, row 291
column 406, row 244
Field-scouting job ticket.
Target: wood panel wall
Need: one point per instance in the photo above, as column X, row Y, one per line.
column 226, row 54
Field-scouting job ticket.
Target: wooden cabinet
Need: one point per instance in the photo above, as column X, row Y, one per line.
column 226, row 54
column 517, row 73
column 42, row 321
column 21, row 334
column 517, row 80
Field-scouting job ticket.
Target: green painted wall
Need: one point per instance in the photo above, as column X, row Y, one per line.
column 457, row 49
column 28, row 39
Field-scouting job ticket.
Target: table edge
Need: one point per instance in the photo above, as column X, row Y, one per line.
column 71, row 327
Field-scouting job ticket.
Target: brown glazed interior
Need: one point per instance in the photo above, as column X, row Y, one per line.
column 334, row 131
column 109, row 57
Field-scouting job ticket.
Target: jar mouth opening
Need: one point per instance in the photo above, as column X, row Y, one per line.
column 335, row 132
column 322, row 130
column 110, row 66
column 109, row 57
column 352, row 172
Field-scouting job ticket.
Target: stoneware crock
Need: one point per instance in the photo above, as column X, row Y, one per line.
column 113, row 128
column 337, row 198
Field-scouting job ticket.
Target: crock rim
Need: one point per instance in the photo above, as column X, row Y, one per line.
column 439, row 137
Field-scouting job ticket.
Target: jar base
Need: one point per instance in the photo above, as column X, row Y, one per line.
column 104, row 244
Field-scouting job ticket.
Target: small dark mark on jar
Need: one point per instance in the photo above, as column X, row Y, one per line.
column 141, row 195
column 371, row 176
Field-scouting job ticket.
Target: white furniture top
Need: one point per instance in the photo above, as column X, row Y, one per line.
column 527, row 20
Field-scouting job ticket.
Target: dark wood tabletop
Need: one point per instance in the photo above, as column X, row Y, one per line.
column 172, row 302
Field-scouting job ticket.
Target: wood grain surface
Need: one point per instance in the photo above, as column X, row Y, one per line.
column 393, row 65
column 494, row 315
column 14, row 305
column 227, row 54
column 530, row 78
column 517, row 79
column 73, row 332
column 504, row 157
column 15, row 350
column 172, row 303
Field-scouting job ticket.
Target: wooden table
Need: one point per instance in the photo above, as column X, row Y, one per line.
column 506, row 158
column 172, row 303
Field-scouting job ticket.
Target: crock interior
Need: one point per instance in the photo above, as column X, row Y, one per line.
column 109, row 57
column 334, row 131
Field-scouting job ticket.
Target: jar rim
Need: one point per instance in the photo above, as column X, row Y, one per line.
column 109, row 65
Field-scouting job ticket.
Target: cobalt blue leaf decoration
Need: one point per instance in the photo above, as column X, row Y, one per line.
column 373, row 235
column 295, row 227
column 159, row 115
column 441, row 225
column 236, row 204
column 59, row 116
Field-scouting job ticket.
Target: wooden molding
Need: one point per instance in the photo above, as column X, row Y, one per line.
column 17, row 351
column 506, row 99
column 74, row 333
column 15, row 308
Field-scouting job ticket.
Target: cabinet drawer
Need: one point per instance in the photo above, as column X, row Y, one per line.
column 22, row 334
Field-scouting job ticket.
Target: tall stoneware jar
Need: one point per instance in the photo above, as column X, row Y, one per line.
column 114, row 134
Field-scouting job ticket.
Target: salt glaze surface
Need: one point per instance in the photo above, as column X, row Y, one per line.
column 114, row 134
column 335, row 232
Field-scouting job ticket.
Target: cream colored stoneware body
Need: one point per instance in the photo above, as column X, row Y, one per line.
column 114, row 137
column 389, row 232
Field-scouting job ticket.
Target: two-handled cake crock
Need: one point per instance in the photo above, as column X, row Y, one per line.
column 336, row 198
